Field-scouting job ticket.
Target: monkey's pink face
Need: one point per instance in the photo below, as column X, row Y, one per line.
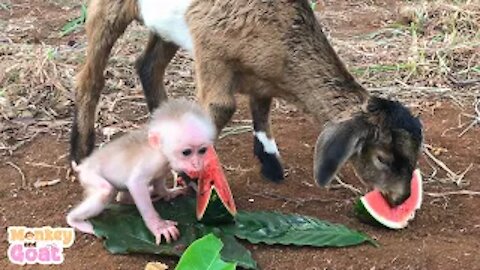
column 189, row 159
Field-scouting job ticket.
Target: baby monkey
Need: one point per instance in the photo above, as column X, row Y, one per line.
column 176, row 138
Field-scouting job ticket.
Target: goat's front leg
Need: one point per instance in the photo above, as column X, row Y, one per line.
column 215, row 89
column 105, row 23
column 151, row 67
column 264, row 146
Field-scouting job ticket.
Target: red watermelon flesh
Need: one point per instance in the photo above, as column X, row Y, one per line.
column 397, row 217
column 212, row 177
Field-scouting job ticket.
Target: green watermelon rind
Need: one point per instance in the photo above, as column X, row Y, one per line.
column 363, row 215
column 367, row 214
column 216, row 213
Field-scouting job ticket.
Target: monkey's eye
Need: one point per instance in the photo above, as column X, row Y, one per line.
column 202, row 150
column 187, row 152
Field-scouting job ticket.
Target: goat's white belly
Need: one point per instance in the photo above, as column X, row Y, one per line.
column 167, row 19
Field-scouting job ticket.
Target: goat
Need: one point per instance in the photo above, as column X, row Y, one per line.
column 264, row 49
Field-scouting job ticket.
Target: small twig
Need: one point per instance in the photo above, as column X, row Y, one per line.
column 235, row 130
column 116, row 100
column 43, row 165
column 449, row 193
column 463, row 82
column 456, row 178
column 60, row 158
column 24, row 180
column 475, row 121
column 350, row 187
column 359, row 177
column 39, row 184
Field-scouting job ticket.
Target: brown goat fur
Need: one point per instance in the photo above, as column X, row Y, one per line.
column 264, row 49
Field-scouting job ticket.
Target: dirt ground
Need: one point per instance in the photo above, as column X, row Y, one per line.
column 444, row 235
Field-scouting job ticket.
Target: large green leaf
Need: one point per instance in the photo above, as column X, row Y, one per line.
column 125, row 232
column 292, row 229
column 204, row 254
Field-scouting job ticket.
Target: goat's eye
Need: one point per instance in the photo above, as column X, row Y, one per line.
column 383, row 160
column 202, row 150
column 187, row 152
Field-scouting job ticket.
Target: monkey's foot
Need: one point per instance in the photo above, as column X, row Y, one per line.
column 166, row 228
column 83, row 226
column 271, row 166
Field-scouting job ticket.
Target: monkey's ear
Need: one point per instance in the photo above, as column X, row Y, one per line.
column 154, row 139
column 335, row 145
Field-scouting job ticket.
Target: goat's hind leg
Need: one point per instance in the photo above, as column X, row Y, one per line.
column 151, row 67
column 264, row 146
column 106, row 22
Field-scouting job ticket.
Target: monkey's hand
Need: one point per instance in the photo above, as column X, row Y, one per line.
column 172, row 193
column 160, row 227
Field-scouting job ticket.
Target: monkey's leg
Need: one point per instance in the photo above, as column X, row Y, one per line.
column 151, row 67
column 264, row 146
column 215, row 82
column 99, row 193
column 106, row 22
column 124, row 196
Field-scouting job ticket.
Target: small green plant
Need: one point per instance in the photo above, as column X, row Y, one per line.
column 476, row 69
column 5, row 6
column 73, row 25
column 51, row 53
column 313, row 4
column 380, row 68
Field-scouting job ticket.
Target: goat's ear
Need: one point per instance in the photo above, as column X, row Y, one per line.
column 335, row 145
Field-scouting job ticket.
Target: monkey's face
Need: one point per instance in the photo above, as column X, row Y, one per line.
column 188, row 159
column 184, row 141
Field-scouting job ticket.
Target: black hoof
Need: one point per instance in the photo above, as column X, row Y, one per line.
column 271, row 167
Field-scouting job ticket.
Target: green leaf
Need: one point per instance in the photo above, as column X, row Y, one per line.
column 291, row 229
column 233, row 251
column 75, row 23
column 125, row 232
column 204, row 254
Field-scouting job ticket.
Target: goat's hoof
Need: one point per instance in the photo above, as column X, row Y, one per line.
column 272, row 168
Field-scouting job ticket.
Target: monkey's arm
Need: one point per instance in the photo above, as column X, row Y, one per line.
column 138, row 188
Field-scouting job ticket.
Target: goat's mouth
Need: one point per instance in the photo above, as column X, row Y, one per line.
column 394, row 199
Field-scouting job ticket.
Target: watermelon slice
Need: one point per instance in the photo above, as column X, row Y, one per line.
column 373, row 208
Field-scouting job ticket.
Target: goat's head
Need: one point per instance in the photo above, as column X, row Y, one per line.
column 383, row 142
